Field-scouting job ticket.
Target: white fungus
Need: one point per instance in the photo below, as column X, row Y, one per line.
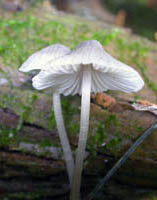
column 86, row 69
column 38, row 61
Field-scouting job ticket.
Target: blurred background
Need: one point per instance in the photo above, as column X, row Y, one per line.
column 139, row 15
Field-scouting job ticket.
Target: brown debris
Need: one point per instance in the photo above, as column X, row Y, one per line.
column 146, row 103
column 120, row 18
column 145, row 106
column 104, row 100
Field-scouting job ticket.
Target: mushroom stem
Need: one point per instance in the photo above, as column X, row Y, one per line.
column 84, row 123
column 63, row 136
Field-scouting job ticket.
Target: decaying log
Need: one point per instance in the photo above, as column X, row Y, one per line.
column 116, row 123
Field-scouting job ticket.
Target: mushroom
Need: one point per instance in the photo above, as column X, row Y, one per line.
column 37, row 62
column 86, row 69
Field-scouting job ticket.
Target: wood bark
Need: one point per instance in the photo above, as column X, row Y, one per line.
column 131, row 124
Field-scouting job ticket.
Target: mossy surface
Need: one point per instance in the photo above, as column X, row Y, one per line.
column 25, row 33
column 110, row 133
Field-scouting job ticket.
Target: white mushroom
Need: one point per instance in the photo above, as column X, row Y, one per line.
column 38, row 61
column 88, row 68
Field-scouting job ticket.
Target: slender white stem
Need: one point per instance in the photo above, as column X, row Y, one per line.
column 63, row 136
column 85, row 109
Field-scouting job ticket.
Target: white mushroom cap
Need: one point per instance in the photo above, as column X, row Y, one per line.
column 64, row 74
column 39, row 59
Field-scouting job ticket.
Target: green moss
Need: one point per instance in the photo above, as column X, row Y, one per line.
column 46, row 142
column 7, row 136
column 139, row 129
column 26, row 110
column 27, row 105
column 73, row 127
column 24, row 33
column 7, row 100
column 69, row 111
column 51, row 120
column 27, row 195
column 112, row 122
column 152, row 197
column 102, row 138
column 105, row 37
